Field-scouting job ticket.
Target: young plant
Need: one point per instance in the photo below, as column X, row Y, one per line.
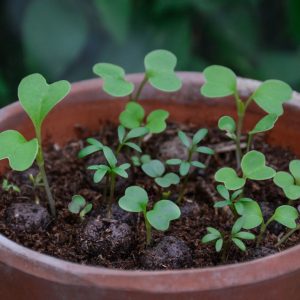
column 156, row 169
column 79, row 206
column 111, row 170
column 223, row 241
column 37, row 98
column 138, row 161
column 253, row 167
column 269, row 96
column 164, row 211
column 290, row 182
column 7, row 186
column 185, row 165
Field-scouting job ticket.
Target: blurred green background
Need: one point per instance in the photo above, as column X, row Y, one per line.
column 63, row 39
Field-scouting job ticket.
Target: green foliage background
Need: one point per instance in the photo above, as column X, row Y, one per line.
column 63, row 39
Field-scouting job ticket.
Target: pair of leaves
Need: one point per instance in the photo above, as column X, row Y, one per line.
column 197, row 138
column 270, row 95
column 134, row 114
column 228, row 199
column 156, row 169
column 290, row 182
column 184, row 166
column 7, row 186
column 78, row 205
column 94, row 146
column 253, row 166
column 164, row 211
column 138, row 161
column 159, row 66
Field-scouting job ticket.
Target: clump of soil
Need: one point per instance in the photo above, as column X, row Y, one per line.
column 120, row 241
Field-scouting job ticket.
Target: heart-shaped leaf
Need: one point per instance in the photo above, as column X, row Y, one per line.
column 156, row 121
column 154, row 168
column 132, row 116
column 114, row 82
column 77, row 204
column 167, row 180
column 254, row 166
column 250, row 212
column 163, row 212
column 230, row 179
column 219, row 82
column 294, row 167
column 134, row 200
column 38, row 98
column 160, row 65
column 19, row 152
column 265, row 124
column 286, row 215
column 270, row 96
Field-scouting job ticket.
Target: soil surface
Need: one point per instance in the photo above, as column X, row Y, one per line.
column 120, row 242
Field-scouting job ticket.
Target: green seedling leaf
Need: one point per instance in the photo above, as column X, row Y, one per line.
column 95, row 146
column 110, row 157
column 198, row 164
column 38, row 98
column 227, row 124
column 219, row 82
column 213, row 235
column 163, row 212
column 132, row 116
column 223, row 192
column 294, row 167
column 271, row 95
column 134, row 200
column 286, row 215
column 133, row 146
column 254, row 166
column 265, row 124
column 6, row 186
column 219, row 245
column 250, row 213
column 167, row 180
column 77, row 204
column 160, row 65
column 229, row 178
column 184, row 168
column 86, row 210
column 101, row 171
column 19, row 152
column 221, row 204
column 145, row 158
column 156, row 121
column 240, row 244
column 205, row 150
column 120, row 171
column 237, row 226
column 245, row 235
column 121, row 133
column 136, row 133
column 236, row 194
column 114, row 82
column 138, row 161
column 154, row 168
column 174, row 162
column 199, row 136
column 184, row 139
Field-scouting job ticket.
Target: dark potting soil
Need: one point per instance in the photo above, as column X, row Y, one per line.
column 120, row 242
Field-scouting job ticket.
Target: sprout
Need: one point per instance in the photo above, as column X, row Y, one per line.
column 193, row 147
column 253, row 166
column 269, row 96
column 138, row 161
column 290, row 182
column 7, row 186
column 156, row 169
column 79, row 206
column 164, row 211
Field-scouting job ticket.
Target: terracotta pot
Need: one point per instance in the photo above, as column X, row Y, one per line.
column 25, row 274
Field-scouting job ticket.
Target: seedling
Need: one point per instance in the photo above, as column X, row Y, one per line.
column 7, row 186
column 185, row 165
column 290, row 182
column 138, row 161
column 156, row 169
column 269, row 96
column 79, row 206
column 164, row 211
column 253, row 166
column 222, row 240
column 111, row 170
column 38, row 98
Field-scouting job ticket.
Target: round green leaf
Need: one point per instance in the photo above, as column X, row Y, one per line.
column 154, row 168
column 230, row 179
column 134, row 200
column 219, row 82
column 163, row 212
column 114, row 82
column 270, row 96
column 160, row 65
column 265, row 124
column 294, row 167
column 254, row 166
column 76, row 205
column 132, row 116
column 227, row 123
column 286, row 215
column 167, row 180
column 292, row 192
column 156, row 121
column 38, row 98
column 283, row 179
column 19, row 152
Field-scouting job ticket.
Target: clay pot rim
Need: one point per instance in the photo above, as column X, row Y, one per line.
column 209, row 278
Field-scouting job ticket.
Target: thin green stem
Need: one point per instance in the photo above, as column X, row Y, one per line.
column 41, row 164
column 106, row 187
column 120, row 146
column 139, row 90
column 287, row 235
column 148, row 229
column 111, row 193
column 263, row 228
column 249, row 143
